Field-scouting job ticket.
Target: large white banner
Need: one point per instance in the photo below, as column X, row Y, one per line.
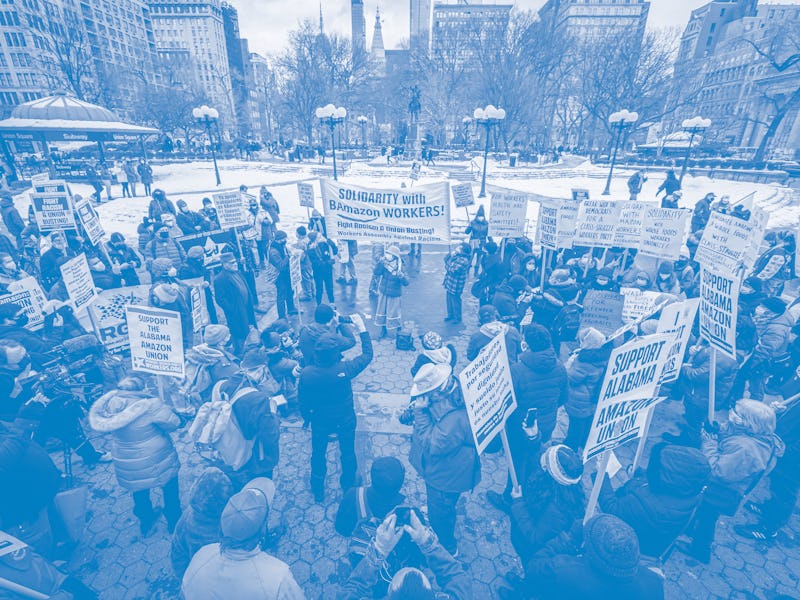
column 719, row 309
column 420, row 215
column 677, row 318
column 156, row 340
column 629, row 386
column 78, row 281
column 597, row 222
column 488, row 392
column 509, row 209
column 663, row 230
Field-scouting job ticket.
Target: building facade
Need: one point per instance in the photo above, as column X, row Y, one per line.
column 197, row 28
column 420, row 18
column 725, row 79
column 358, row 27
column 456, row 27
column 98, row 51
column 592, row 19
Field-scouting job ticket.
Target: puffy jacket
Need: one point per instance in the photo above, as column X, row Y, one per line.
column 695, row 374
column 487, row 333
column 659, row 505
column 540, row 381
column 143, row 453
column 165, row 248
column 391, row 284
column 736, row 457
column 585, row 377
column 773, row 338
column 477, row 230
column 506, row 304
column 442, row 446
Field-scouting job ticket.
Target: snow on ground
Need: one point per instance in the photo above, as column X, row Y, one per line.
column 194, row 181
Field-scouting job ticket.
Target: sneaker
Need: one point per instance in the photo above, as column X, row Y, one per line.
column 498, row 501
column 755, row 532
column 754, row 508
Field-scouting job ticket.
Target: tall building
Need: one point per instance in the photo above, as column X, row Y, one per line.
column 100, row 51
column 358, row 27
column 261, row 86
column 196, row 28
column 238, row 53
column 420, row 17
column 590, row 19
column 456, row 27
column 731, row 83
column 377, row 53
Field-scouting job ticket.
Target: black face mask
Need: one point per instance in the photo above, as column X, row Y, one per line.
column 21, row 320
column 163, row 235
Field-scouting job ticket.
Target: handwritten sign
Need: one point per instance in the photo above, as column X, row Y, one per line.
column 306, row 193
column 603, row 311
column 728, row 243
column 628, row 232
column 231, row 210
column 663, row 232
column 78, row 281
column 597, row 221
column 637, row 303
column 462, row 194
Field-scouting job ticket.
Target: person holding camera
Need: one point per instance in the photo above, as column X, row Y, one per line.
column 325, row 394
column 442, row 447
column 408, row 582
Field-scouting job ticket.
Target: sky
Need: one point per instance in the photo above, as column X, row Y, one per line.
column 266, row 23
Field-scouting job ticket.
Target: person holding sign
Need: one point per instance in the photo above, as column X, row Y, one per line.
column 478, row 231
column 442, row 447
column 236, row 301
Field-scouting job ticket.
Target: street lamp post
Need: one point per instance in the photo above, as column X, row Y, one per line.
column 207, row 116
column 487, row 117
column 693, row 127
column 332, row 116
column 619, row 121
column 362, row 121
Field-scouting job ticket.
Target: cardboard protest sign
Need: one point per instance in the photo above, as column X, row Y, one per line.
column 462, row 195
column 90, row 221
column 296, row 273
column 677, row 318
column 729, row 243
column 633, row 372
column 637, row 303
column 52, row 205
column 597, row 221
column 719, row 308
column 214, row 243
column 508, row 213
column 547, row 227
column 28, row 293
column 628, row 232
column 108, row 314
column 419, row 215
column 488, row 392
column 156, row 340
column 603, row 311
column 78, row 281
column 663, row 232
column 9, row 545
column 306, row 193
column 758, row 221
column 231, row 209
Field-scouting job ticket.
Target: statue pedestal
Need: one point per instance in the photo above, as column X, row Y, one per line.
column 412, row 147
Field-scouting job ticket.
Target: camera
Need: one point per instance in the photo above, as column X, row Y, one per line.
column 403, row 514
column 345, row 320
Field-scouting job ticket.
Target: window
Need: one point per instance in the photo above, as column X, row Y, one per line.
column 14, row 39
column 8, row 98
column 3, row 62
column 5, row 79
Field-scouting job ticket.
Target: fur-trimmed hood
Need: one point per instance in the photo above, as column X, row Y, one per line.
column 119, row 408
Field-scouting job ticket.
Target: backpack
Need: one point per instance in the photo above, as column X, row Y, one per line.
column 216, row 427
column 568, row 322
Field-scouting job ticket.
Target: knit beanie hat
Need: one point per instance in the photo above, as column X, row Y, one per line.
column 211, row 492
column 563, row 464
column 195, row 252
column 537, row 337
column 216, row 334
column 323, row 314
column 611, row 546
column 431, row 341
column 166, row 293
column 244, row 515
column 387, row 475
column 160, row 267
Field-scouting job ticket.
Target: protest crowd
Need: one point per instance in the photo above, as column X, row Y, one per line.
column 110, row 346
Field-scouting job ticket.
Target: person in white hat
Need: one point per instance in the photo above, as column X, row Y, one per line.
column 442, row 447
column 390, row 290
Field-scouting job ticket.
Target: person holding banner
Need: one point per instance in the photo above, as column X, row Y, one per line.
column 478, row 232
column 442, row 447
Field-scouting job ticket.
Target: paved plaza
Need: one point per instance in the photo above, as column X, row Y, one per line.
column 119, row 564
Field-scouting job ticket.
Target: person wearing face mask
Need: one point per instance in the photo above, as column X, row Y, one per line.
column 60, row 323
column 666, row 280
column 442, row 447
column 102, row 276
column 234, row 297
column 750, row 295
column 456, row 266
column 209, row 214
column 53, row 258
column 187, row 220
column 530, row 269
column 160, row 205
column 773, row 325
column 9, row 271
column 13, row 319
column 478, row 232
column 390, row 291
column 175, row 297
column 604, row 281
column 164, row 246
column 124, row 259
column 642, row 282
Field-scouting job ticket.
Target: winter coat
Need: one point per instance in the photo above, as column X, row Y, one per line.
column 168, row 248
column 658, row 505
column 585, row 377
column 130, row 171
column 159, row 207
column 701, row 214
column 669, row 186
column 11, row 217
column 30, row 340
column 442, row 446
column 456, row 271
column 325, row 393
column 321, row 254
column 146, row 235
column 142, row 451
column 737, row 457
column 313, row 331
column 773, row 339
column 477, row 230
column 488, row 332
column 279, row 258
column 566, row 577
column 234, row 298
column 391, row 283
column 505, row 302
column 199, row 523
column 190, row 222
column 695, row 374
column 145, row 173
column 444, row 355
column 50, row 265
column 540, row 381
column 220, row 574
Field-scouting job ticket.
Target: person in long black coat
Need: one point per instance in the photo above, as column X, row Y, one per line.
column 236, row 301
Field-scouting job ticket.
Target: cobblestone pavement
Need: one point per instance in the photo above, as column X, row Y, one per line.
column 114, row 559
